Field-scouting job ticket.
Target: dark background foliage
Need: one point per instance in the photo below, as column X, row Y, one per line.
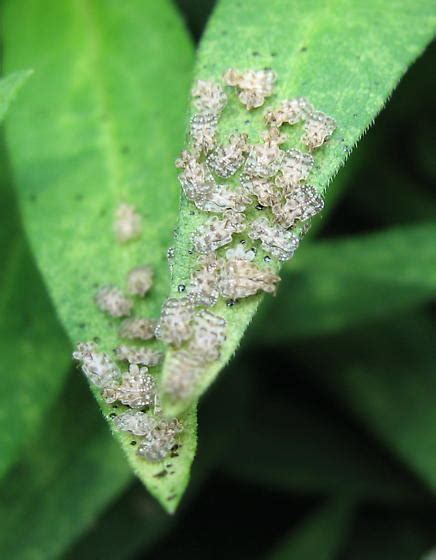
column 280, row 434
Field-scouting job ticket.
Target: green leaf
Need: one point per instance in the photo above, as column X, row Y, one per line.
column 9, row 87
column 339, row 56
column 131, row 526
column 69, row 473
column 350, row 281
column 297, row 446
column 386, row 375
column 100, row 125
column 385, row 534
column 35, row 351
column 321, row 536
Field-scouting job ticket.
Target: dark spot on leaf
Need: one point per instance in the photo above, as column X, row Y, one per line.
column 255, row 53
column 125, row 149
column 133, row 442
column 181, row 288
column 267, row 258
column 96, row 339
column 112, row 415
column 82, row 325
column 161, row 474
column 260, row 207
column 273, row 54
column 172, row 497
column 248, row 121
column 33, row 197
column 231, row 302
column 79, row 197
column 303, row 49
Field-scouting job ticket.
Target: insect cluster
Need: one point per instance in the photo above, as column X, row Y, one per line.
column 230, row 180
column 132, row 386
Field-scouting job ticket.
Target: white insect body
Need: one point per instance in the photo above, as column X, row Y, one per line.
column 203, row 132
column 209, row 96
column 196, row 179
column 240, row 253
column 204, row 285
column 253, row 86
column 302, row 203
column 140, row 280
column 318, row 128
column 227, row 159
column 209, row 333
column 174, row 325
column 137, row 389
column 138, row 328
column 264, row 189
column 128, row 223
column 97, row 366
column 138, row 355
column 217, row 232
column 223, row 199
column 295, row 169
column 184, row 368
column 264, row 160
column 136, row 422
column 241, row 278
column 290, row 111
column 160, row 440
column 280, row 242
column 112, row 301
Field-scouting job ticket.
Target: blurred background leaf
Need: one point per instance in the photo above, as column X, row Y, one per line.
column 67, row 475
column 340, row 283
column 321, row 536
column 342, row 414
column 28, row 326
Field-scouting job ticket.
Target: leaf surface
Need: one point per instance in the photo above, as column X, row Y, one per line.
column 9, row 87
column 106, row 110
column 335, row 53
